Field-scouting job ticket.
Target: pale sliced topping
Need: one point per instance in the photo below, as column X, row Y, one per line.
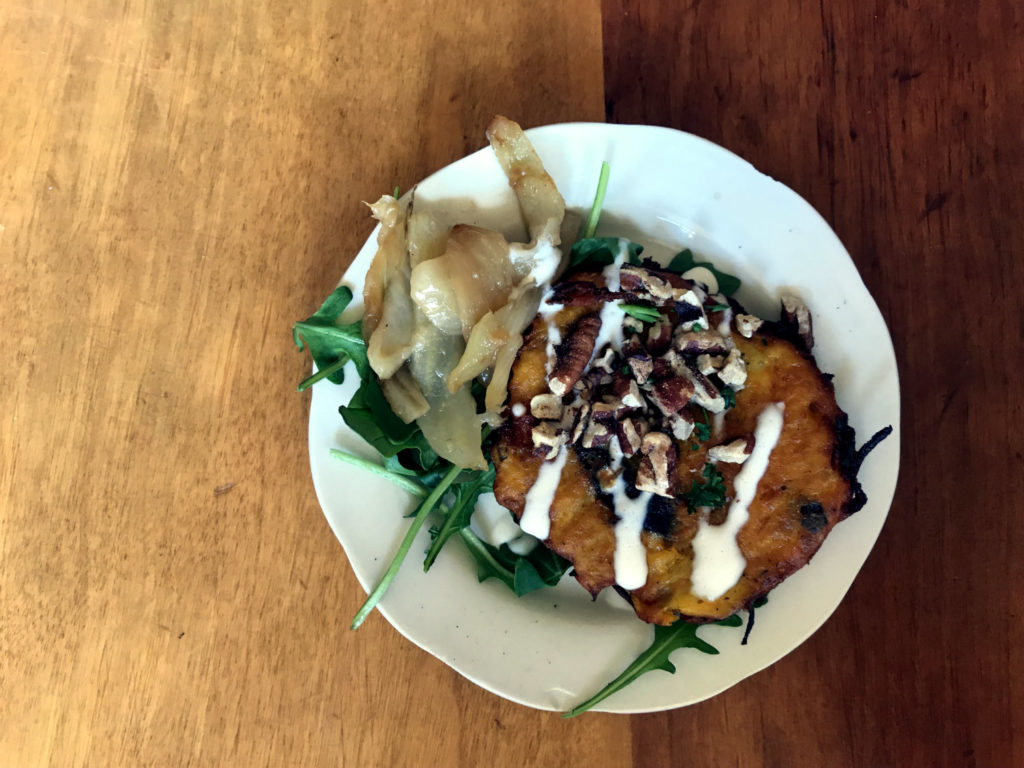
column 734, row 372
column 546, row 406
column 747, row 325
column 735, row 452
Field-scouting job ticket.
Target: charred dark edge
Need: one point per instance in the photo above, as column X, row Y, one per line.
column 750, row 624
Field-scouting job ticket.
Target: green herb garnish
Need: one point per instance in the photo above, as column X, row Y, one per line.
column 702, row 432
column 717, row 308
column 684, row 261
column 729, row 395
column 641, row 312
column 666, row 641
column 707, row 494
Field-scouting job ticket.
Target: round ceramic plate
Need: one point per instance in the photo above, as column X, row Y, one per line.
column 553, row 648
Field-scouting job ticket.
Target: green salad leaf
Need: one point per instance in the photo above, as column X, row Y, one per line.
column 595, row 252
column 666, row 641
column 460, row 511
column 685, row 261
column 330, row 343
column 520, row 573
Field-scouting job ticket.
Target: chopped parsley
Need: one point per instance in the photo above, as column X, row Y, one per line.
column 707, row 494
column 729, row 395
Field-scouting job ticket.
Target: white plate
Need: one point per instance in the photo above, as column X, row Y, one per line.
column 553, row 648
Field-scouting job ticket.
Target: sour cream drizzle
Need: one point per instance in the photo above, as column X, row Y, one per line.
column 717, row 561
column 548, row 312
column 612, row 315
column 536, row 518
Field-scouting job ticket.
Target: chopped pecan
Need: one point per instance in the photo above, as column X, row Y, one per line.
column 700, row 343
column 682, row 425
column 546, row 406
column 596, row 435
column 734, row 372
column 705, row 394
column 580, row 422
column 659, row 338
column 640, row 279
column 583, row 293
column 627, row 391
column 630, row 437
column 574, row 354
column 747, row 325
column 797, row 316
column 671, row 395
column 606, row 362
column 642, row 366
column 708, row 364
column 735, row 452
column 547, row 434
column 655, row 471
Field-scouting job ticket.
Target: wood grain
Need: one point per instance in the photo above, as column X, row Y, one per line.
column 182, row 181
column 901, row 123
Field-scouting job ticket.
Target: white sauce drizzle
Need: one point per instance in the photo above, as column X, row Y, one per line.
column 548, row 312
column 612, row 315
column 536, row 518
column 518, row 410
column 543, row 256
column 717, row 561
column 630, row 553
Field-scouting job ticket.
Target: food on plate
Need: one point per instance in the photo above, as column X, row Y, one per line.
column 693, row 459
column 632, row 417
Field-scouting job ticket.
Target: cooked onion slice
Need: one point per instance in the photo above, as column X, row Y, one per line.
column 542, row 205
column 388, row 319
column 474, row 276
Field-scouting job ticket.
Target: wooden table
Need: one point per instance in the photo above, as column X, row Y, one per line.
column 181, row 181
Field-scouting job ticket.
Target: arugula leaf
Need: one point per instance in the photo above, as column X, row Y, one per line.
column 709, row 494
column 401, row 479
column 666, row 641
column 520, row 573
column 595, row 252
column 589, row 226
column 685, row 261
column 641, row 312
column 403, row 549
column 331, row 344
column 460, row 510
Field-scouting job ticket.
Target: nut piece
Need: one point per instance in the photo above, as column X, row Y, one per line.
column 672, row 395
column 547, row 434
column 747, row 324
column 656, row 286
column 708, row 364
column 641, row 366
column 796, row 314
column 580, row 423
column 653, row 474
column 705, row 394
column 700, row 342
column 735, row 452
column 682, row 425
column 596, row 435
column 574, row 354
column 546, row 406
column 630, row 437
column 631, row 398
column 734, row 372
column 659, row 338
column 606, row 362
